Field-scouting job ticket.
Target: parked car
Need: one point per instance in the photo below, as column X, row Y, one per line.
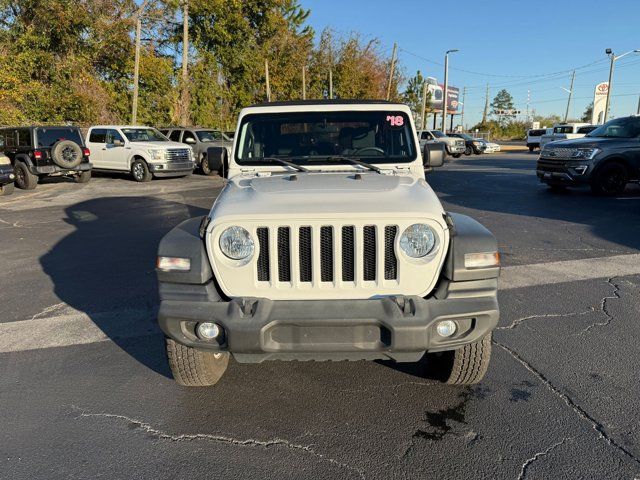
column 328, row 244
column 38, row 152
column 471, row 145
column 142, row 151
column 534, row 135
column 454, row 146
column 230, row 134
column 6, row 175
column 606, row 159
column 200, row 140
column 489, row 147
column 566, row 131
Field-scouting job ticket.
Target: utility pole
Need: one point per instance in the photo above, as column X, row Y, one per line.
column 393, row 66
column 423, row 120
column 445, row 99
column 638, row 112
column 184, row 117
column 136, row 65
column 566, row 114
column 486, row 106
column 266, row 76
column 330, row 84
column 304, row 82
column 464, row 99
column 528, row 102
column 613, row 58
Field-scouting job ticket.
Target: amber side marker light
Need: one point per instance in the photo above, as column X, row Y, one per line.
column 482, row 260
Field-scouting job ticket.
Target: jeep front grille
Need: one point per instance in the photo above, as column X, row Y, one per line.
column 325, row 263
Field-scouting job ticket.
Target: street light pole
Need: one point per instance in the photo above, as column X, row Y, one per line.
column 446, row 87
column 613, row 58
column 136, row 64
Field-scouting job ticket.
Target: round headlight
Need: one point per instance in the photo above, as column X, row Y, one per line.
column 236, row 243
column 417, row 240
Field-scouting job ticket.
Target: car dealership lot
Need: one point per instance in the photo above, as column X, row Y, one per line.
column 85, row 390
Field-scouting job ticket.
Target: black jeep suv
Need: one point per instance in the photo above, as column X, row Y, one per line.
column 36, row 152
column 606, row 159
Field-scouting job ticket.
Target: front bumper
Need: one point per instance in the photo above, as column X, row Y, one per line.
column 451, row 149
column 563, row 172
column 171, row 169
column 6, row 174
column 398, row 328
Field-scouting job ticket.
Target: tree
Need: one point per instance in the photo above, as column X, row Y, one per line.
column 502, row 101
column 588, row 113
column 412, row 96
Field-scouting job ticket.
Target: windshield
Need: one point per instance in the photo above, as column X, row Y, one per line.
column 438, row 133
column 47, row 137
column 628, row 127
column 563, row 129
column 229, row 135
column 144, row 135
column 380, row 136
column 208, row 135
column 465, row 136
column 536, row 133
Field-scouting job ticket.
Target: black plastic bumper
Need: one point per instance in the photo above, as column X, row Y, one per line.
column 6, row 174
column 53, row 169
column 399, row 328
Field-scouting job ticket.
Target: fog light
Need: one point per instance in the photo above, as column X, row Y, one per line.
column 446, row 328
column 208, row 330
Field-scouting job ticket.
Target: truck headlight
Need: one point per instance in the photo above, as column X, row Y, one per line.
column 418, row 240
column 236, row 243
column 157, row 154
column 4, row 160
column 586, row 153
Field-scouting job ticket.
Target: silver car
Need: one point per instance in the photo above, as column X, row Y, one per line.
column 201, row 139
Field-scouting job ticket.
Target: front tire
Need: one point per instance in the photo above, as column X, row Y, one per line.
column 464, row 366
column 24, row 178
column 456, row 155
column 204, row 167
column 610, row 180
column 195, row 368
column 531, row 149
column 468, row 151
column 140, row 171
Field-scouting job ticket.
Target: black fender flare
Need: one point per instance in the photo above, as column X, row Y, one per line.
column 467, row 235
column 185, row 241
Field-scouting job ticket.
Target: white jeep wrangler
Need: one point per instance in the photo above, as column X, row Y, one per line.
column 327, row 243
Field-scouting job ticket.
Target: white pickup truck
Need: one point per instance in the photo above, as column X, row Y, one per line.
column 142, row 151
column 566, row 131
column 454, row 146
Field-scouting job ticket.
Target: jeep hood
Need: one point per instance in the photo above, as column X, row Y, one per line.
column 326, row 195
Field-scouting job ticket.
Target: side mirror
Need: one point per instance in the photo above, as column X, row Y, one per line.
column 118, row 143
column 433, row 154
column 190, row 141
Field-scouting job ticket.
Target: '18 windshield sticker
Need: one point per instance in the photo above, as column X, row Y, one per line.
column 395, row 120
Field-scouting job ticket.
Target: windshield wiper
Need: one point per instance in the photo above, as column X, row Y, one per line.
column 282, row 162
column 353, row 161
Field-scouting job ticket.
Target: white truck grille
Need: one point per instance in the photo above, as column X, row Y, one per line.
column 365, row 242
column 302, row 259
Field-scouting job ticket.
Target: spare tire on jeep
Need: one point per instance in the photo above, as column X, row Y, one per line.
column 66, row 154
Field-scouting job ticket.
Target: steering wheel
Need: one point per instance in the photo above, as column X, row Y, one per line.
column 377, row 149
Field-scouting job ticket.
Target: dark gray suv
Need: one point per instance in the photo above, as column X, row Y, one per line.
column 606, row 159
column 201, row 139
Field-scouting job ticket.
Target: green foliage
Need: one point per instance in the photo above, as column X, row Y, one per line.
column 513, row 130
column 588, row 113
column 72, row 60
column 502, row 101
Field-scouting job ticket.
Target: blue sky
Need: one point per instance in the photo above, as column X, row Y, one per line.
column 514, row 43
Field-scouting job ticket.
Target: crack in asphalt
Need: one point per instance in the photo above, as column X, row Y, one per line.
column 518, row 321
column 597, row 426
column 249, row 442
column 537, row 456
column 603, row 307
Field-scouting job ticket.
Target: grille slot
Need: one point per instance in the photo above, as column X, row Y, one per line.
column 263, row 256
column 178, row 155
column 284, row 244
column 348, row 254
column 305, row 254
column 390, row 260
column 326, row 254
column 369, row 253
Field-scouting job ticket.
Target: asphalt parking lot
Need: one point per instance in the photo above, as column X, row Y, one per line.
column 85, row 391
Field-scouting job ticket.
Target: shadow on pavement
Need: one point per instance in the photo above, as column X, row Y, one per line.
column 106, row 268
